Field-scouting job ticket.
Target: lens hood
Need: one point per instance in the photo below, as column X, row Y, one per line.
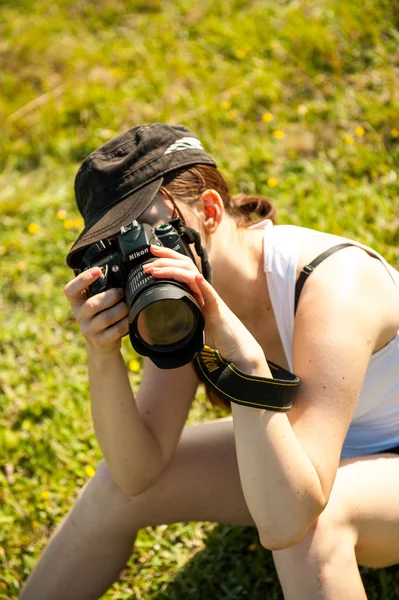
column 176, row 354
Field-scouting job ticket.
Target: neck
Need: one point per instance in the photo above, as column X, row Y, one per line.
column 239, row 276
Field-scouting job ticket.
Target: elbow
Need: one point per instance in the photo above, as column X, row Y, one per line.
column 283, row 532
column 134, row 482
column 133, row 488
column 280, row 540
column 111, row 485
column 130, row 490
column 133, row 485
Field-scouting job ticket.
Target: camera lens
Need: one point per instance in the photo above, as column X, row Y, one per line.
column 165, row 323
column 165, row 320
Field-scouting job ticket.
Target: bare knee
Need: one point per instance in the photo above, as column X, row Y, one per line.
column 105, row 500
column 323, row 563
column 102, row 499
column 332, row 533
column 105, row 488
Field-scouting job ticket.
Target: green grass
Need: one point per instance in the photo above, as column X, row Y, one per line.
column 72, row 75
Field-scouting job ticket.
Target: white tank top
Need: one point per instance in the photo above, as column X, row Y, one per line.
column 375, row 422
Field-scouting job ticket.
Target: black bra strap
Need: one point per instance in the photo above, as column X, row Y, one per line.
column 308, row 269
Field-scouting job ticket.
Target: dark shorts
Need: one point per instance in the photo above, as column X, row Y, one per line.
column 394, row 450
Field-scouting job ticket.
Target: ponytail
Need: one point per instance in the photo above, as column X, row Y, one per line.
column 186, row 186
column 251, row 208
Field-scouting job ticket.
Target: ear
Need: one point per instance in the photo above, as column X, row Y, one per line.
column 213, row 208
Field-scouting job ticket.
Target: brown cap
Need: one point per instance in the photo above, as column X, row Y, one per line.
column 117, row 182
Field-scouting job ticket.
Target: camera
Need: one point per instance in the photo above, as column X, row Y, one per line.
column 165, row 320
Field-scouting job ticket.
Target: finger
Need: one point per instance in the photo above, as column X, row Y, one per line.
column 212, row 300
column 113, row 333
column 109, row 317
column 183, row 262
column 215, row 307
column 164, row 251
column 179, row 274
column 74, row 289
column 100, row 302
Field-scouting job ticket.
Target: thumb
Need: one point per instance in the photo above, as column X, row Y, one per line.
column 213, row 302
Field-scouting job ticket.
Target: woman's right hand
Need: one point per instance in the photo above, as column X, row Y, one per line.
column 102, row 318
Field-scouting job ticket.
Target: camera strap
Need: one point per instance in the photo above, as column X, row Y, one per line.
column 232, row 384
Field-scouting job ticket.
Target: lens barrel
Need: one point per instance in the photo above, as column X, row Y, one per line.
column 165, row 321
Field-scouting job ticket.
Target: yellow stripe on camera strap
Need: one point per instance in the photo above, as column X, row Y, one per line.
column 232, row 384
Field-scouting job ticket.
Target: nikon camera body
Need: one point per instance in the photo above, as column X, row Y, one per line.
column 165, row 321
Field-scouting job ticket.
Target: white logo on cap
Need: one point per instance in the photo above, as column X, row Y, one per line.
column 184, row 144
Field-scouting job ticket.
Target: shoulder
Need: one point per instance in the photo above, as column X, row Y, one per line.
column 354, row 288
column 346, row 285
column 350, row 274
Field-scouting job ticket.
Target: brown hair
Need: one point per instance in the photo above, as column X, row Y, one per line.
column 186, row 186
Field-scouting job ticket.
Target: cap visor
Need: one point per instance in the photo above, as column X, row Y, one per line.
column 110, row 222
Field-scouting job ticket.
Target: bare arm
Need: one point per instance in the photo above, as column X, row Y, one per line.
column 137, row 435
column 288, row 462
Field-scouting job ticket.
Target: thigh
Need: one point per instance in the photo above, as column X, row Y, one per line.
column 201, row 483
column 360, row 524
column 366, row 496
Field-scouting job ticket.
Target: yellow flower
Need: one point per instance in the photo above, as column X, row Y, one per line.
column 252, row 547
column 359, row 131
column 395, row 132
column 78, row 223
column 225, row 105
column 240, row 54
column 349, row 140
column 272, row 181
column 35, row 523
column 267, row 117
column 45, row 494
column 61, row 214
column 278, row 134
column 73, row 223
column 90, row 472
column 33, row 228
column 134, row 365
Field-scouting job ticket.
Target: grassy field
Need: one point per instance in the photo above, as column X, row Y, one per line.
column 297, row 100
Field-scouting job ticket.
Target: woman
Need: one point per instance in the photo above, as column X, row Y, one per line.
column 319, row 482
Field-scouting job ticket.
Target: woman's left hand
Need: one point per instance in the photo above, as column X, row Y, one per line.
column 231, row 338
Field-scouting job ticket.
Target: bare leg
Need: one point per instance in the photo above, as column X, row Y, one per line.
column 202, row 483
column 360, row 524
column 92, row 545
